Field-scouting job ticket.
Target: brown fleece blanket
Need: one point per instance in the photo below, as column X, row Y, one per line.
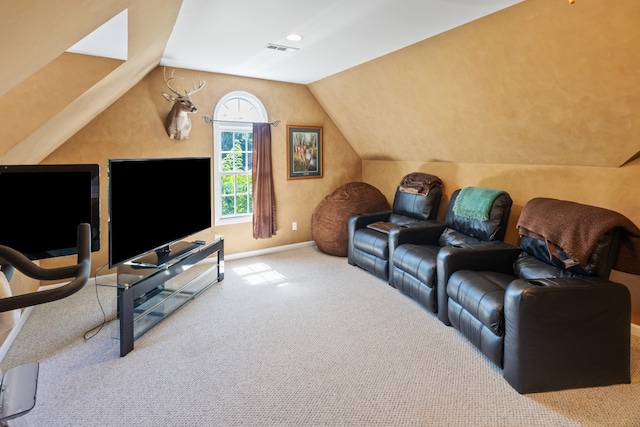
column 576, row 228
column 419, row 182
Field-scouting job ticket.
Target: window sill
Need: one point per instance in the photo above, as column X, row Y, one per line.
column 240, row 219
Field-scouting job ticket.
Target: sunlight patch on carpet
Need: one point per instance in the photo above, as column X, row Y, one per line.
column 260, row 274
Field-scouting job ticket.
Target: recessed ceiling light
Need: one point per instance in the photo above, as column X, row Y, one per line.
column 294, row 37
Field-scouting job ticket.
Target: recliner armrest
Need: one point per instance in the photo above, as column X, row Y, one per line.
column 362, row 220
column 483, row 256
column 566, row 333
column 422, row 233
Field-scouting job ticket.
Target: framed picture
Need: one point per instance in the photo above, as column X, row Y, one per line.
column 304, row 151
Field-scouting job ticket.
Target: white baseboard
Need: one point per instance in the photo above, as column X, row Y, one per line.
column 259, row 252
column 267, row 250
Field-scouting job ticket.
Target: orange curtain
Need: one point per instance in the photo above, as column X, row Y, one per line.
column 264, row 198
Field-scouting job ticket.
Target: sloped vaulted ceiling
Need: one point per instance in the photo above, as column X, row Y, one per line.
column 34, row 36
column 541, row 82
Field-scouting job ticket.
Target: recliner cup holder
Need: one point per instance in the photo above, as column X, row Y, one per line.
column 537, row 283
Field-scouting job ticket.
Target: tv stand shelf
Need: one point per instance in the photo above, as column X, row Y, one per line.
column 151, row 288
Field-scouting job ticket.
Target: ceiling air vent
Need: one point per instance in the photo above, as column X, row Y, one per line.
column 281, row 48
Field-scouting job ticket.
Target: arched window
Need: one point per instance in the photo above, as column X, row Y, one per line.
column 234, row 116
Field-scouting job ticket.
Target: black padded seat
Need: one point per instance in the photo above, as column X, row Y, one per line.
column 370, row 248
column 413, row 267
column 371, row 251
column 549, row 321
column 372, row 243
column 476, row 307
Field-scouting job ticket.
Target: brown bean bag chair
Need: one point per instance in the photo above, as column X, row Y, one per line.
column 329, row 220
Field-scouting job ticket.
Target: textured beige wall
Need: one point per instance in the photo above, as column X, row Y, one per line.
column 134, row 127
column 611, row 188
column 542, row 82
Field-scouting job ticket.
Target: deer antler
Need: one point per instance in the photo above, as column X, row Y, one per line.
column 187, row 93
column 167, row 82
column 195, row 89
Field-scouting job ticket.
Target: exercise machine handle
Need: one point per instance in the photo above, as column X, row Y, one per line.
column 80, row 273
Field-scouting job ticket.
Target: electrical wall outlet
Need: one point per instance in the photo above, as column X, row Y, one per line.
column 294, row 226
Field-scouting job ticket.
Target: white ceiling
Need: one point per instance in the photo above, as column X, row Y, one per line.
column 230, row 37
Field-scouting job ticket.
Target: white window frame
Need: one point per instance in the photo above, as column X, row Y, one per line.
column 230, row 122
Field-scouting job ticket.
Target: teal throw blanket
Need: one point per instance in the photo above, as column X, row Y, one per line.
column 475, row 202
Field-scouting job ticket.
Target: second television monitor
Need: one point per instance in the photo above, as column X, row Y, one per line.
column 155, row 202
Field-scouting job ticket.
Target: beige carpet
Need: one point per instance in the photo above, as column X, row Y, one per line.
column 295, row 338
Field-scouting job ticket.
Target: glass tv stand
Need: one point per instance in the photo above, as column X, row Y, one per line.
column 148, row 291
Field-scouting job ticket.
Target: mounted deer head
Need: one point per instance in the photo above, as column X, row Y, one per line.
column 178, row 123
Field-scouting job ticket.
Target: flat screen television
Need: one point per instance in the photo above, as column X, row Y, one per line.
column 154, row 203
column 42, row 206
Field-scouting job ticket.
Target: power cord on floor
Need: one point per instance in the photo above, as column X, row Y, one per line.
column 88, row 334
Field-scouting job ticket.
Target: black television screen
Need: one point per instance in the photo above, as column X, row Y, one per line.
column 43, row 206
column 156, row 202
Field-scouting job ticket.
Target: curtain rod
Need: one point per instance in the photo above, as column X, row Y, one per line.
column 209, row 120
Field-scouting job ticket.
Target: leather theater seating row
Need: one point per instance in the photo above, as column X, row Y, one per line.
column 548, row 320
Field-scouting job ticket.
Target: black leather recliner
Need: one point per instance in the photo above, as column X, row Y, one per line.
column 369, row 246
column 548, row 320
column 413, row 266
